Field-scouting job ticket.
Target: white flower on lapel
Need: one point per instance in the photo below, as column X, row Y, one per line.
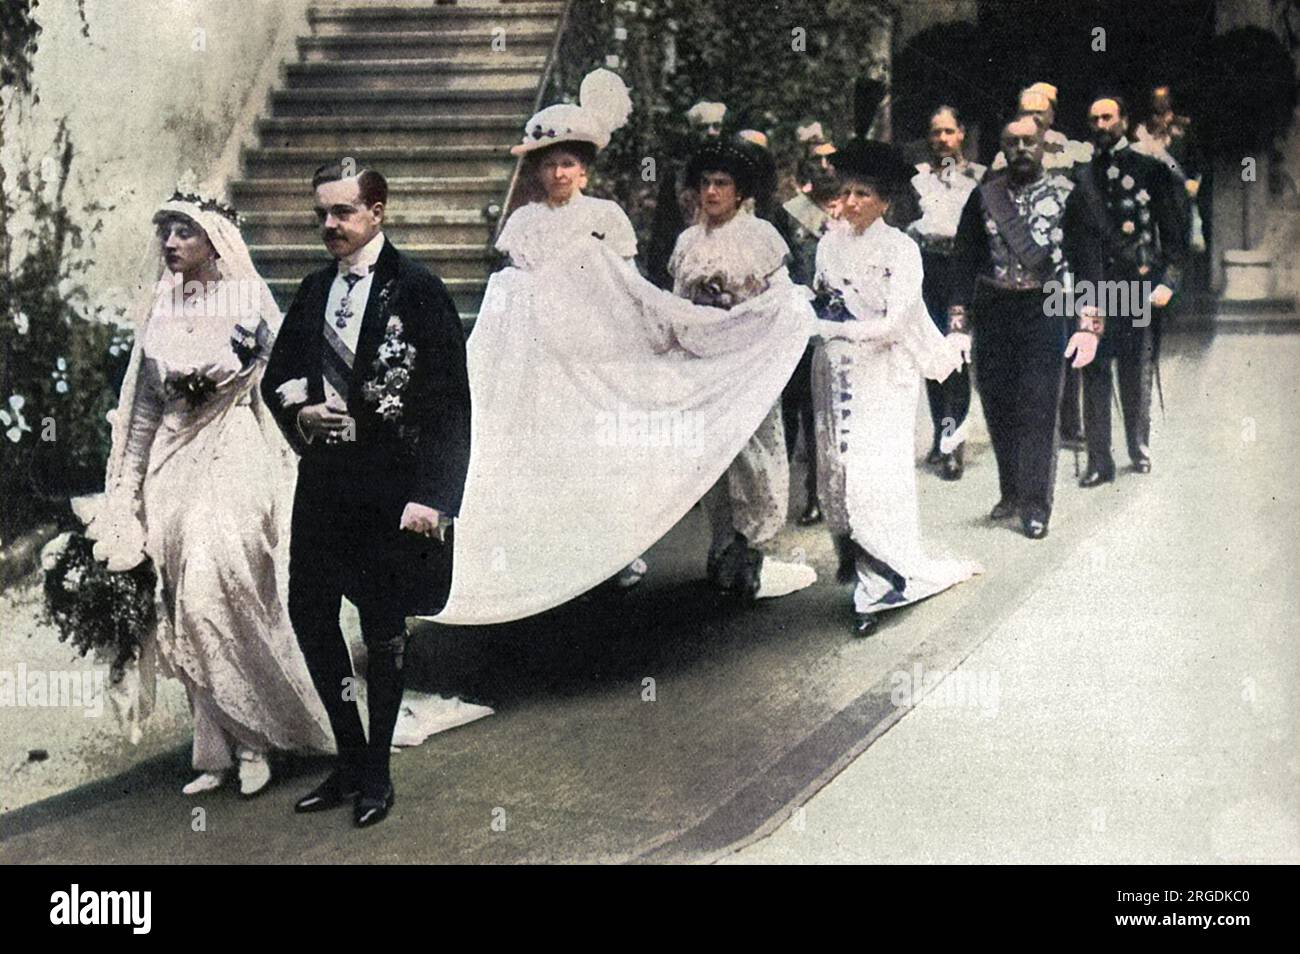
column 1127, row 182
column 1112, row 172
column 293, row 392
column 1143, row 196
column 1047, row 206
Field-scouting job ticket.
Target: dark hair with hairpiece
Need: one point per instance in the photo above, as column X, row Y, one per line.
column 373, row 186
column 206, row 204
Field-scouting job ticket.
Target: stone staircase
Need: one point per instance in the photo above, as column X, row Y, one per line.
column 416, row 90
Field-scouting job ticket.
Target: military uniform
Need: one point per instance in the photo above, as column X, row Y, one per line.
column 806, row 222
column 1012, row 242
column 1135, row 207
column 943, row 191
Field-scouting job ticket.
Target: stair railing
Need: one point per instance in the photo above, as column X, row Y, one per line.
column 542, row 86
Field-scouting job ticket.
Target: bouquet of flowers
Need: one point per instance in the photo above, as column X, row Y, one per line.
column 829, row 303
column 94, row 608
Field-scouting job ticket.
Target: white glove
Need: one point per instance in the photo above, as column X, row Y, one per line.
column 292, row 392
column 118, row 534
column 961, row 341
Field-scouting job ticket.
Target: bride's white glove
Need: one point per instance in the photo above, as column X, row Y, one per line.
column 117, row 531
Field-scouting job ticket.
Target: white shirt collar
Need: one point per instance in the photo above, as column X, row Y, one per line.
column 362, row 261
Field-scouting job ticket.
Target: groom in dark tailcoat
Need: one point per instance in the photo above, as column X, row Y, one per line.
column 368, row 382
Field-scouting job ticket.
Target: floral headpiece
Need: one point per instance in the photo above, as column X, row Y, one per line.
column 187, row 190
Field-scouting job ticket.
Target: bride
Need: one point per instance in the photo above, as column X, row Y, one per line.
column 199, row 480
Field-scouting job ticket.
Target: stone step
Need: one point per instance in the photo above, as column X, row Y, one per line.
column 466, row 293
column 412, row 101
column 413, row 194
column 282, row 260
column 328, row 132
column 335, row 19
column 456, row 44
column 507, row 75
column 393, row 162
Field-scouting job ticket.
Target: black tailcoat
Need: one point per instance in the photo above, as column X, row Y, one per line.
column 350, row 496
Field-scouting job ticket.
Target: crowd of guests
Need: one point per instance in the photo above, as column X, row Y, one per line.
column 992, row 242
column 271, row 466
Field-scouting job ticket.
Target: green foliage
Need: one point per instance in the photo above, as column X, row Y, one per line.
column 61, row 361
column 677, row 52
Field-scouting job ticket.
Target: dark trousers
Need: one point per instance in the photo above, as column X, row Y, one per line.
column 334, row 551
column 1018, row 352
column 797, row 415
column 949, row 398
column 1134, row 361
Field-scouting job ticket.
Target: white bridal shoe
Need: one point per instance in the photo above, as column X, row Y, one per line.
column 254, row 773
column 780, row 579
column 206, row 782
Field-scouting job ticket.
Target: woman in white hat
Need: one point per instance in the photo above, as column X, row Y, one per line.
column 560, row 145
column 604, row 407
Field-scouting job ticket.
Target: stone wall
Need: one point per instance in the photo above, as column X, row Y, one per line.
column 155, row 89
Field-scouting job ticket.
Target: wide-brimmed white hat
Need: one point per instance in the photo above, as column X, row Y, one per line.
column 603, row 106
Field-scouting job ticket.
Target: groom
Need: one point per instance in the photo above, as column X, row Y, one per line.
column 367, row 380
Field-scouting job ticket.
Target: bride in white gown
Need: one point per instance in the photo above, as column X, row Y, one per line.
column 200, row 480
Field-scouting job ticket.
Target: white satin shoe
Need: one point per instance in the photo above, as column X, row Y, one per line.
column 776, row 578
column 254, row 773
column 207, row 782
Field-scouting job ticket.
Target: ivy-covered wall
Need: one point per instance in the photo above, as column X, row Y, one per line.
column 776, row 65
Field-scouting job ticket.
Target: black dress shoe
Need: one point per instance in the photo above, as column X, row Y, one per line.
column 812, row 514
column 950, row 468
column 1035, row 528
column 1003, row 509
column 372, row 806
column 934, row 456
column 1142, row 465
column 337, row 788
column 864, row 624
column 1095, row 478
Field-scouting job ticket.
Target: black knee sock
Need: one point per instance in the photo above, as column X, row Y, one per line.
column 386, row 680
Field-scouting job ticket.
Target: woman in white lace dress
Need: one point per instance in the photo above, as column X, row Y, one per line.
column 878, row 343
column 200, row 481
column 728, row 257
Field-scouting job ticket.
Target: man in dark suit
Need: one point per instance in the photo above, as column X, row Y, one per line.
column 1135, row 206
column 367, row 380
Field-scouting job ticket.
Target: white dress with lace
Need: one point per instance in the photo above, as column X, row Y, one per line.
column 207, row 476
column 723, row 267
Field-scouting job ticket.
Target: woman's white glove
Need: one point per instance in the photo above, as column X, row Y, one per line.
column 117, row 532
